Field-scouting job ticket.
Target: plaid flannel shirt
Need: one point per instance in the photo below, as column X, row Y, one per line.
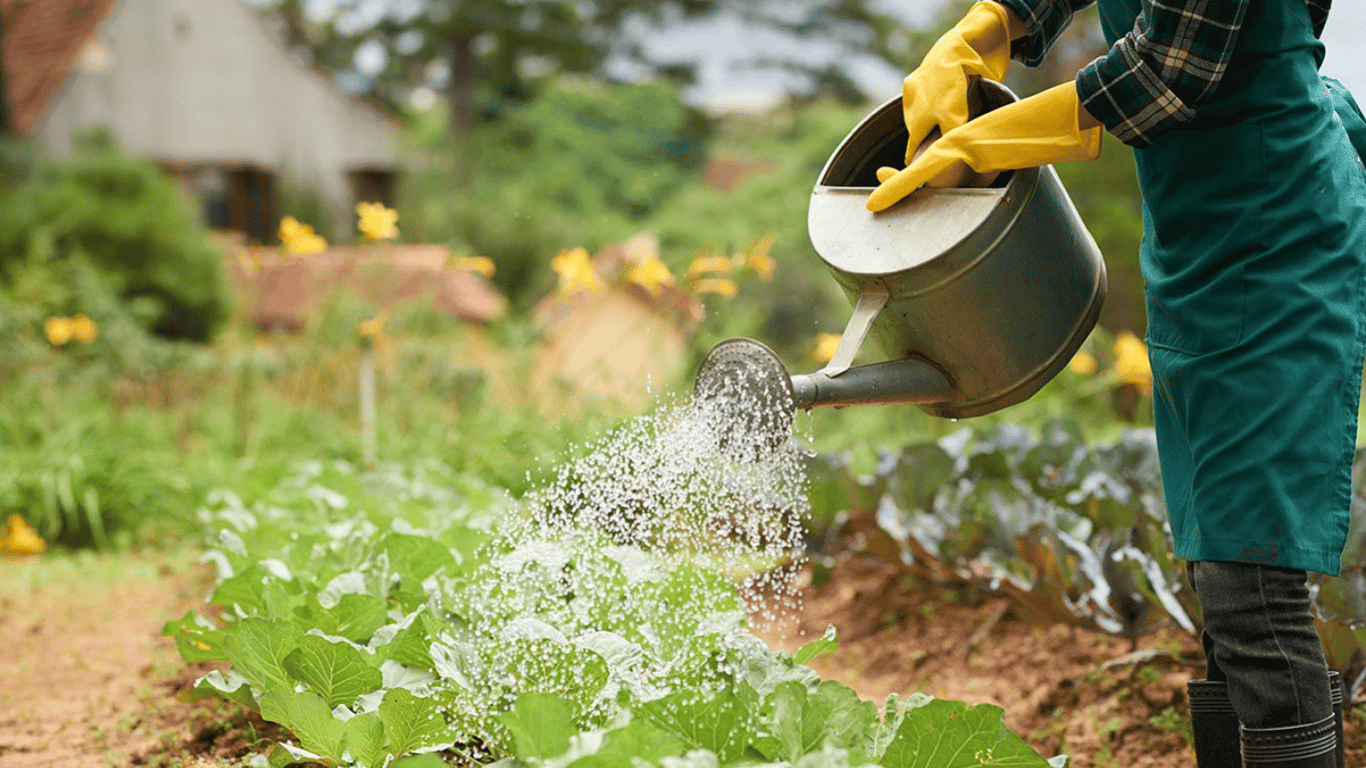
column 1154, row 77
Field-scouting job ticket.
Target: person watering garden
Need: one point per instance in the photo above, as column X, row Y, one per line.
column 1254, row 264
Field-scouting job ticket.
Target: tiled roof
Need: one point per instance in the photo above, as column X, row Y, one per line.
column 43, row 39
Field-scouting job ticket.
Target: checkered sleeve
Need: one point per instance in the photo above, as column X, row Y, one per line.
column 1318, row 12
column 1045, row 20
column 1153, row 77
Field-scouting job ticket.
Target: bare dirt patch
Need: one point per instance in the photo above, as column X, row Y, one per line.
column 86, row 679
column 1053, row 682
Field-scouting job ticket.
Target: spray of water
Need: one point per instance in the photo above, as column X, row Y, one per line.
column 628, row 571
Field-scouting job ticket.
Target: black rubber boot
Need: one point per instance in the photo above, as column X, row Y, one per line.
column 1335, row 686
column 1297, row 746
column 1214, row 725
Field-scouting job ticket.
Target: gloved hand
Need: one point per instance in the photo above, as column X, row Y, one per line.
column 936, row 93
column 1037, row 130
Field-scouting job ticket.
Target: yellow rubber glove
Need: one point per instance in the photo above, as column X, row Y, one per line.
column 1037, row 130
column 936, row 93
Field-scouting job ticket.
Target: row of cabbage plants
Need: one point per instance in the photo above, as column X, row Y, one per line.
column 416, row 616
column 1072, row 532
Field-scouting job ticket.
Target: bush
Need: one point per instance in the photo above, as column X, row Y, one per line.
column 121, row 223
column 581, row 164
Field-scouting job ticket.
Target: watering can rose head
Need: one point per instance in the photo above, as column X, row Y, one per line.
column 744, row 390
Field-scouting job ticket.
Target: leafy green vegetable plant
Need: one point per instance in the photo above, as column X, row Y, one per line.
column 399, row 613
column 1074, row 533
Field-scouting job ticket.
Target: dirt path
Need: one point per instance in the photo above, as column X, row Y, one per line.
column 85, row 677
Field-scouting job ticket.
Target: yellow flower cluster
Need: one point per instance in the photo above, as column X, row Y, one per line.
column 649, row 273
column 1131, row 362
column 16, row 538
column 377, row 222
column 576, row 273
column 373, row 327
column 482, row 265
column 719, row 286
column 758, row 258
column 826, row 344
column 61, row 330
column 707, row 274
column 299, row 239
column 1083, row 363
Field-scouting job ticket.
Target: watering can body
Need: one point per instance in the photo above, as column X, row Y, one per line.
column 977, row 297
column 993, row 288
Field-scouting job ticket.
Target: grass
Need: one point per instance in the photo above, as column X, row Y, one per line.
column 85, row 568
column 119, row 453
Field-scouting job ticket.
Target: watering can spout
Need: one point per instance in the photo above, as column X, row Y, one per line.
column 753, row 398
column 894, row 382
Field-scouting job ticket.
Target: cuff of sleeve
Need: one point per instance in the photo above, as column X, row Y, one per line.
column 1045, row 20
column 1128, row 98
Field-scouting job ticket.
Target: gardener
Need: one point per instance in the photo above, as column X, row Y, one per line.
column 1254, row 262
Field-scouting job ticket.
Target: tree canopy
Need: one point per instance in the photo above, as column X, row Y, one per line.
column 486, row 53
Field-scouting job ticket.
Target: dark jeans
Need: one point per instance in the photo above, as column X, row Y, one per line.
column 1259, row 636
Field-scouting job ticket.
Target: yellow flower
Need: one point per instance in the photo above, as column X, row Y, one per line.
column 702, row 265
column 377, row 222
column 374, row 326
column 576, row 272
column 826, row 344
column 650, row 273
column 1083, row 363
column 84, row 329
column 481, row 264
column 1131, row 362
column 16, row 538
column 59, row 330
column 721, row 286
column 299, row 239
column 759, row 259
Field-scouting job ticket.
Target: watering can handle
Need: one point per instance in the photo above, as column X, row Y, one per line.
column 870, row 302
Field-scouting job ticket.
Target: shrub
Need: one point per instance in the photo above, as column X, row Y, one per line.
column 124, row 220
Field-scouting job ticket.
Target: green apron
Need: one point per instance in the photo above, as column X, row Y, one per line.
column 1254, row 264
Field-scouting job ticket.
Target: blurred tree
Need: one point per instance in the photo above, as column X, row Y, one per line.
column 499, row 47
column 497, row 51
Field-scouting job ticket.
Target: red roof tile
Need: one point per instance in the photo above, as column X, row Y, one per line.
column 43, row 39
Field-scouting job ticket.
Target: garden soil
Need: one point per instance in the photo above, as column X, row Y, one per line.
column 86, row 679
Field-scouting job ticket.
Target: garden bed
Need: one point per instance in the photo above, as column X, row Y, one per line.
column 90, row 680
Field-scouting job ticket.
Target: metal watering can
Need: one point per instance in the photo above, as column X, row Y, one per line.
column 976, row 296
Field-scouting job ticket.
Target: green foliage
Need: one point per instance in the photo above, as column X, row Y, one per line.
column 348, row 603
column 123, row 228
column 306, row 201
column 1074, row 533
column 801, row 299
column 117, row 442
column 582, row 164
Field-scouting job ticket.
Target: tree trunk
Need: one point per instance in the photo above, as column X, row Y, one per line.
column 7, row 127
column 460, row 92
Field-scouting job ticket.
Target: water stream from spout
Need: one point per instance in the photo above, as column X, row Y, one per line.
column 650, row 551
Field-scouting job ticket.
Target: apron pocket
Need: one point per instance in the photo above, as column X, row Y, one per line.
column 1204, row 191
